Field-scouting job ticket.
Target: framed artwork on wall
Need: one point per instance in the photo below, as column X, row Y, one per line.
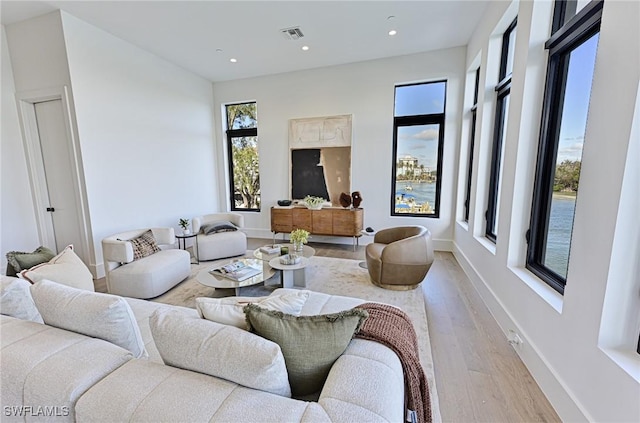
column 320, row 154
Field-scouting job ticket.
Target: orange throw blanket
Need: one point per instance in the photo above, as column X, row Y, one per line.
column 392, row 327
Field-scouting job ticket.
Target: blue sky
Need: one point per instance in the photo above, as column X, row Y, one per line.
column 576, row 101
column 420, row 141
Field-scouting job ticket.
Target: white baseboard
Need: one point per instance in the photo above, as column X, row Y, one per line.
column 556, row 391
column 438, row 244
column 97, row 270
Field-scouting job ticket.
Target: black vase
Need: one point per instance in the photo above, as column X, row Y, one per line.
column 357, row 199
column 345, row 200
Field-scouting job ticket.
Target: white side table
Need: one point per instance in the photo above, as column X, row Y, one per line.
column 363, row 264
column 293, row 275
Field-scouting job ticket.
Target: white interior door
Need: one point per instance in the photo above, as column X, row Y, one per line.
column 58, row 170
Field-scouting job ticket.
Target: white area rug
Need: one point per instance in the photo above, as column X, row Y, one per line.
column 330, row 276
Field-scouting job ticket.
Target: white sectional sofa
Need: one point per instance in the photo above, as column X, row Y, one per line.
column 87, row 379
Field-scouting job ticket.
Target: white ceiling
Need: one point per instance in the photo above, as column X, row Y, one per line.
column 188, row 33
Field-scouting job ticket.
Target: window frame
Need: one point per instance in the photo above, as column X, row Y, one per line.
column 503, row 89
column 565, row 39
column 472, row 140
column 231, row 134
column 414, row 120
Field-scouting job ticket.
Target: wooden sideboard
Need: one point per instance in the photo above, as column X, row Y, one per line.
column 330, row 221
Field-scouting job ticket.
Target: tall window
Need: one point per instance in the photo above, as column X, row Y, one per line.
column 572, row 54
column 417, row 149
column 472, row 140
column 242, row 147
column 503, row 90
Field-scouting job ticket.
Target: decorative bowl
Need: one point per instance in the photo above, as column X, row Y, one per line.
column 289, row 260
column 313, row 203
column 284, row 203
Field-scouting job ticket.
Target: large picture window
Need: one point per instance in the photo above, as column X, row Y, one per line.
column 472, row 141
column 242, row 148
column 572, row 54
column 503, row 90
column 417, row 147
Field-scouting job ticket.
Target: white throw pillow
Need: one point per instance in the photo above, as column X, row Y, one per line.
column 65, row 268
column 218, row 350
column 16, row 300
column 94, row 314
column 229, row 311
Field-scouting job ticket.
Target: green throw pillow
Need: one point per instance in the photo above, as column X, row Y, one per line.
column 19, row 260
column 310, row 344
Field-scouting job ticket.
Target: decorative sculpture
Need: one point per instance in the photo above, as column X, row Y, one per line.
column 357, row 199
column 345, row 200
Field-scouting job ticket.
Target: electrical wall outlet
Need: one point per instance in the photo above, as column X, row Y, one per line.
column 514, row 338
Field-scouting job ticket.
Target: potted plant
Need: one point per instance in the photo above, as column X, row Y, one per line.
column 184, row 224
column 313, row 203
column 299, row 237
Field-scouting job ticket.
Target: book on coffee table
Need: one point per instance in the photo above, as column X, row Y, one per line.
column 271, row 249
column 237, row 271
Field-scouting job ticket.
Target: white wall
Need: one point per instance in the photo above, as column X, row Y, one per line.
column 36, row 49
column 145, row 129
column 146, row 133
column 17, row 218
column 365, row 90
column 561, row 334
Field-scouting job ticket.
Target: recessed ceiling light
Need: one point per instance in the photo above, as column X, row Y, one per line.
column 393, row 32
column 232, row 60
column 305, row 48
column 218, row 50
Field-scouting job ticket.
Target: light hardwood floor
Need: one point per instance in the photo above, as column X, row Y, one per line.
column 479, row 376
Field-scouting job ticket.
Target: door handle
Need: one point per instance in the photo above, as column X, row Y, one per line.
column 51, row 209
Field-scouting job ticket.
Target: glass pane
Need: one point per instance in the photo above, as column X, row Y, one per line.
column 511, row 52
column 503, row 135
column 417, row 169
column 246, row 173
column 242, row 116
column 568, row 160
column 420, row 99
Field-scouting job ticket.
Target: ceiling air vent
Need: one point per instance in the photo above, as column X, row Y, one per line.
column 292, row 33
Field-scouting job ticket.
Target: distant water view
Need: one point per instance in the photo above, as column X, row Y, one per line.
column 559, row 236
column 415, row 194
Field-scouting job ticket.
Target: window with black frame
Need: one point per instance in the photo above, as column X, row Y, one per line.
column 243, row 160
column 572, row 55
column 472, row 140
column 503, row 90
column 418, row 134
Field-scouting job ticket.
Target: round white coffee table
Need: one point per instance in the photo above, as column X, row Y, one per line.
column 206, row 278
column 292, row 274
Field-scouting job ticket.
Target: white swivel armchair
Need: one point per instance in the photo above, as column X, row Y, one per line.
column 220, row 235
column 149, row 276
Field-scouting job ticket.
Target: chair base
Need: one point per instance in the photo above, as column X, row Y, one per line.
column 396, row 287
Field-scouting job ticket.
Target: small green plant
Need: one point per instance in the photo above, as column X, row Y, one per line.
column 184, row 224
column 299, row 236
column 312, row 201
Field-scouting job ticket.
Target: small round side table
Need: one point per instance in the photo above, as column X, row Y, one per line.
column 196, row 252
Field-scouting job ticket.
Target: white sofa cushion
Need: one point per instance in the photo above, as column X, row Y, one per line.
column 94, row 314
column 151, row 276
column 46, row 366
column 16, row 300
column 229, row 311
column 219, row 350
column 65, row 268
